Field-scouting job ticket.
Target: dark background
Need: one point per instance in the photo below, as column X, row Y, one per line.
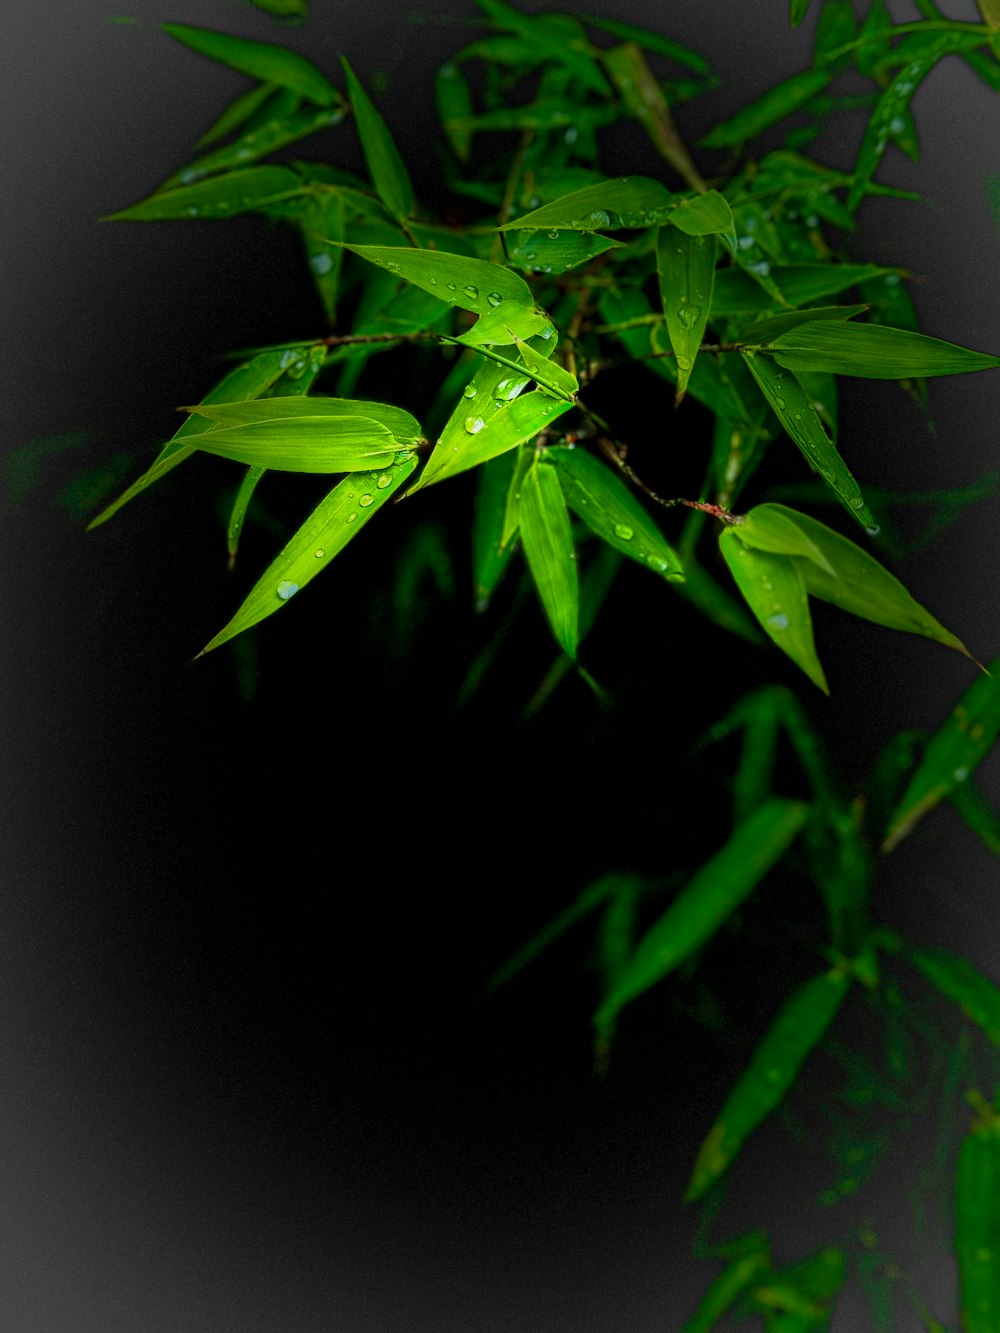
column 249, row 1081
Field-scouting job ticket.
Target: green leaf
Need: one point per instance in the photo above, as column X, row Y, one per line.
column 327, row 530
column 284, row 8
column 490, row 556
column 318, row 443
column 510, row 425
column 771, row 527
column 607, row 507
column 271, row 64
column 707, row 596
column 247, row 381
column 797, row 10
column 796, row 411
column 238, row 513
column 628, row 201
column 548, row 549
column 218, row 197
column 470, row 284
column 237, row 113
column 404, row 428
column 978, row 814
column 874, row 37
column 783, row 100
column 538, row 252
column 722, row 1293
column 706, row 214
column 977, row 1232
column 957, row 980
column 862, row 586
column 321, row 223
column 800, row 1025
column 686, row 267
column 549, row 375
column 454, row 107
column 257, row 143
column 800, row 284
column 642, row 97
column 954, row 751
column 873, row 351
column 763, row 332
column 894, row 104
column 550, row 35
column 384, row 163
column 650, row 41
column 773, row 588
column 712, row 895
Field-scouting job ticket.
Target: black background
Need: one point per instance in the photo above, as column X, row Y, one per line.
column 249, row 1081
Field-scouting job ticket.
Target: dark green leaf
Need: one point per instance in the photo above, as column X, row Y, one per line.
column 736, row 292
column 548, row 549
column 629, row 201
column 730, row 1284
column 978, row 814
column 686, row 267
column 237, row 113
column 385, row 166
column 964, row 985
column 773, row 588
column 650, row 41
column 606, row 505
column 763, row 333
column 796, row 411
column 797, row 10
column 284, row 8
column 643, row 98
column 552, row 35
column 218, row 197
column 777, row 103
column 327, row 530
column 490, row 557
column 257, row 143
column 954, row 751
column 837, row 28
column 872, row 351
column 714, row 892
column 271, row 64
column 322, row 225
column 875, row 35
column 977, row 1229
column 454, row 107
column 800, row 1025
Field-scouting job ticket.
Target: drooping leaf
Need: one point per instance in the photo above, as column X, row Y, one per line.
column 321, row 223
column 628, row 201
column 686, row 267
column 962, row 983
column 551, row 35
column 271, row 64
column 873, row 351
column 318, row 443
column 403, row 427
column 249, row 380
column 798, row 1028
column 327, row 530
column 978, row 813
column 606, row 505
column 796, row 411
column 710, row 896
column 783, row 100
column 642, row 97
column 548, row 549
column 977, row 1230
column 217, row 197
column 800, row 284
column 490, row 556
column 510, row 425
column 241, row 504
column 385, row 165
column 773, row 588
column 954, row 751
column 895, row 101
column 471, row 284
column 771, row 527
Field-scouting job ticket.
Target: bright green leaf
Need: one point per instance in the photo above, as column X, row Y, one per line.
column 771, row 527
column 548, row 549
column 327, row 530
column 777, row 103
column 271, row 64
column 773, row 588
column 404, row 428
column 471, row 284
column 628, row 201
column 538, row 252
column 218, row 197
column 384, row 163
column 484, row 438
column 872, row 351
column 706, row 214
column 306, row 444
column 686, row 267
column 549, row 375
column 800, row 1025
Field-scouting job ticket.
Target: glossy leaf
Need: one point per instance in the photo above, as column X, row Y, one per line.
column 548, row 549
column 800, row 1025
column 271, row 64
column 771, row 527
column 305, row 444
column 400, row 424
column 510, row 425
column 709, row 897
column 385, row 166
column 762, row 333
column 549, row 375
column 783, row 100
column 686, row 267
column 471, row 284
column 962, row 983
column 538, row 252
column 796, row 411
column 873, row 351
column 862, row 586
column 954, row 751
column 895, row 101
column 609, row 508
column 977, row 1225
column 241, row 504
column 327, row 530
column 217, row 197
column 628, row 201
column 249, row 380
column 800, row 284
column 774, row 589
column 556, row 40
column 706, row 214
column 490, row 556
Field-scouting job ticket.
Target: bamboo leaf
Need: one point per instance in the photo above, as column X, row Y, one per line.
column 549, row 375
column 714, row 892
column 650, row 41
column 962, row 983
column 686, row 267
column 643, row 98
column 778, row 102
column 237, row 113
column 733, row 1282
column 538, row 252
column 797, row 10
column 977, row 1225
column 317, row 443
column 510, row 425
column 401, row 425
column 550, row 35
column 771, row 527
column 607, row 506
column 799, row 1026
column 257, row 143
column 271, row 64
column 873, row 351
column 800, row 284
column 454, row 107
column 217, row 197
column 548, row 549
column 773, row 588
column 490, row 556
column 706, row 214
column 978, row 814
column 321, row 223
column 327, row 530
column 385, row 165
column 628, row 201
column 954, row 751
column 796, row 411
column 284, row 8
column 761, row 334
column 471, row 284
column 241, row 504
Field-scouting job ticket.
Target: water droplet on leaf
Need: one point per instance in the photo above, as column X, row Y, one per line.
column 286, row 590
column 624, row 532
column 474, row 425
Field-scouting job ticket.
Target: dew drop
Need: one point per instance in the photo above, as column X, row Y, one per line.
column 352, row 517
column 366, row 500
column 469, row 391
column 857, row 503
column 474, row 425
column 452, row 287
column 494, row 299
column 383, row 480
column 320, row 264
column 286, row 590
column 624, row 532
column 554, row 235
column 874, row 530
column 688, row 315
column 778, row 621
column 434, row 282
column 471, row 292
column 683, row 362
column 960, row 774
